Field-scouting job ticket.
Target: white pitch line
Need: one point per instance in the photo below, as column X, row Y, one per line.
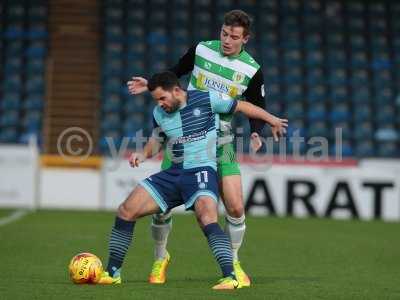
column 16, row 215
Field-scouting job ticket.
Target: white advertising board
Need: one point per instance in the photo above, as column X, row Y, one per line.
column 18, row 176
column 366, row 192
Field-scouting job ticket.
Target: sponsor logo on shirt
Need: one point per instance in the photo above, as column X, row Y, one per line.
column 205, row 83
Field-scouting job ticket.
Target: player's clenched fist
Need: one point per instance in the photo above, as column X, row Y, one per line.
column 137, row 85
column 135, row 159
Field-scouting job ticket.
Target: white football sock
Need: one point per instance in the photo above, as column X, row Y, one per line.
column 160, row 227
column 235, row 229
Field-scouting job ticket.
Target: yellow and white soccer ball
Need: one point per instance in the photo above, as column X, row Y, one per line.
column 85, row 268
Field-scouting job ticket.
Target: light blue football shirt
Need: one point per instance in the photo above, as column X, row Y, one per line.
column 191, row 131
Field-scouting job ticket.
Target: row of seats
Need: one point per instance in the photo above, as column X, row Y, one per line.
column 23, row 48
column 327, row 64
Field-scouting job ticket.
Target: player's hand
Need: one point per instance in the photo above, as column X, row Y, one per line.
column 135, row 159
column 137, row 85
column 255, row 142
column 278, row 128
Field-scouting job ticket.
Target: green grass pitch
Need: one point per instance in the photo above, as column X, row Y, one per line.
column 287, row 259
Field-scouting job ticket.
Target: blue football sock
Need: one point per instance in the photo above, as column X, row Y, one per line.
column 221, row 248
column 120, row 239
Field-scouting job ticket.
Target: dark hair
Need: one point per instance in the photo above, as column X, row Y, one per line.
column 166, row 80
column 238, row 17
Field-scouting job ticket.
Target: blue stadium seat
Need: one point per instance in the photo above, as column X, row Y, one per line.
column 33, row 102
column 32, row 120
column 315, row 76
column 14, row 31
column 317, row 113
column 37, row 12
column 295, row 111
column 340, row 112
column 387, row 133
column 365, row 148
column 112, row 104
column 35, row 65
column 9, row 118
column 11, row 101
column 342, row 128
column 346, row 149
column 294, row 93
column 35, row 84
column 363, row 130
column 384, row 114
column 318, row 129
column 316, row 93
column 111, row 121
column 38, row 31
column 361, row 95
column 388, row 149
column 362, row 113
column 12, row 82
column 8, row 135
column 135, row 104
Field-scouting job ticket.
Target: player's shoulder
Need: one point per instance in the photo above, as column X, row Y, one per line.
column 213, row 44
column 158, row 113
column 248, row 59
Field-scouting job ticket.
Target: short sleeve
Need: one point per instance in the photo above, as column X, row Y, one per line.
column 220, row 105
column 157, row 131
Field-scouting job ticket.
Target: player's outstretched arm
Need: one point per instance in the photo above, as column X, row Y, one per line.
column 152, row 147
column 250, row 110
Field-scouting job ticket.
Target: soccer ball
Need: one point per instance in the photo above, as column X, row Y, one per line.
column 85, row 268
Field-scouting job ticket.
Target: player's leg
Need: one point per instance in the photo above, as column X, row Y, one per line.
column 161, row 225
column 218, row 241
column 138, row 204
column 232, row 196
column 200, row 191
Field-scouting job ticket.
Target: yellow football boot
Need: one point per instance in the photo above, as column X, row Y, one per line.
column 227, row 283
column 241, row 276
column 158, row 273
column 107, row 279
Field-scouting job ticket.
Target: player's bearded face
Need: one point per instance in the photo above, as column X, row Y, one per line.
column 167, row 100
column 232, row 39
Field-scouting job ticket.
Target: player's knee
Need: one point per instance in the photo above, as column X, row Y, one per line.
column 236, row 210
column 206, row 219
column 206, row 211
column 125, row 213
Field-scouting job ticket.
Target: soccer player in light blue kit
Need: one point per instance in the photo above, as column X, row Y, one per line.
column 188, row 121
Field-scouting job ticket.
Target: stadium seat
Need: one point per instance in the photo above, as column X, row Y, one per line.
column 364, row 130
column 9, row 118
column 8, row 135
column 387, row 133
column 342, row 74
column 365, row 148
column 317, row 113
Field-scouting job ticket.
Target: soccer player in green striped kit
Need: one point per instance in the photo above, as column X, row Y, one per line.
column 224, row 66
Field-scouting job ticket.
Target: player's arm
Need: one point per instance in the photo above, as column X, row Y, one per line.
column 219, row 105
column 251, row 111
column 151, row 148
column 255, row 94
column 185, row 65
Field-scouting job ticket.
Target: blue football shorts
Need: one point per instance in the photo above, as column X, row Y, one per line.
column 173, row 187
